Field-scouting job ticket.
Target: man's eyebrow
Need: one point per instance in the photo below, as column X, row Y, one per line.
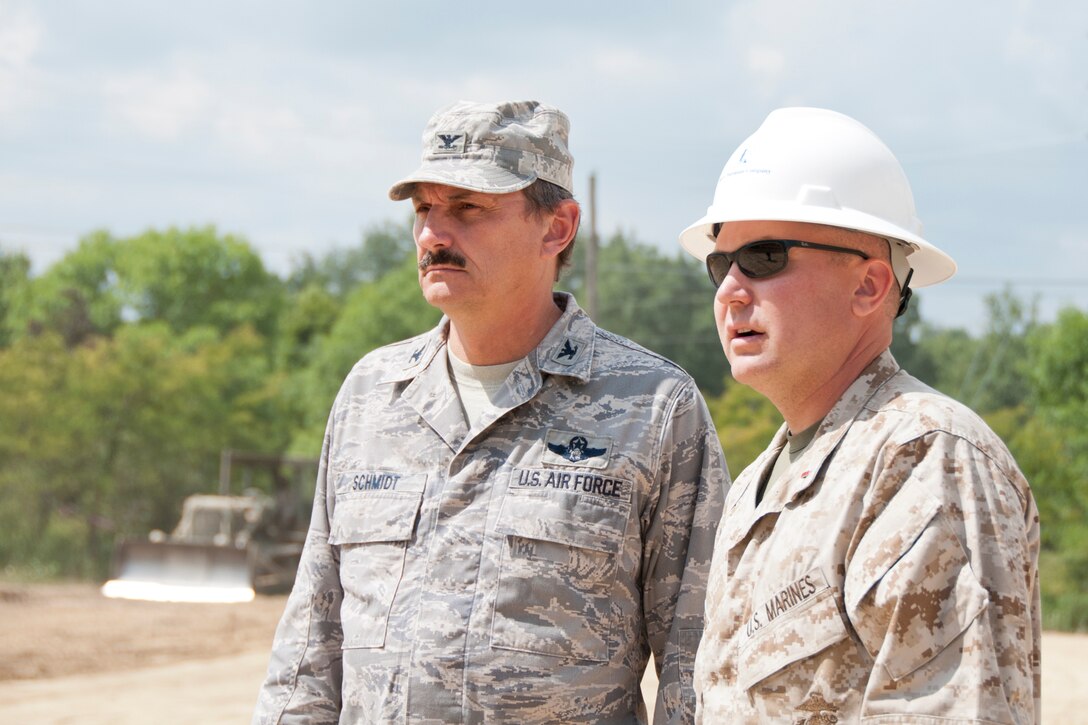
column 462, row 194
column 457, row 195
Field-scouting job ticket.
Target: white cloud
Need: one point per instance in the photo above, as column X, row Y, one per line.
column 157, row 105
column 627, row 65
column 257, row 130
column 766, row 61
column 293, row 128
column 20, row 35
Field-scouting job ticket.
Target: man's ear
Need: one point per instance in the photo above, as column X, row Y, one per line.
column 562, row 227
column 877, row 281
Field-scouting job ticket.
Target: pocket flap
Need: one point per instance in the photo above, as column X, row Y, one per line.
column 564, row 519
column 799, row 633
column 375, row 518
column 894, row 532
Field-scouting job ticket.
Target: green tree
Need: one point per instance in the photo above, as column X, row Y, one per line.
column 195, row 277
column 185, row 278
column 746, row 422
column 375, row 314
column 989, row 373
column 14, row 284
column 385, row 247
column 319, row 285
column 1052, row 449
column 76, row 297
column 306, row 318
column 106, row 438
column 909, row 353
column 662, row 302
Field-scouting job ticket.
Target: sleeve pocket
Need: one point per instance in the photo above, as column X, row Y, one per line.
column 909, row 588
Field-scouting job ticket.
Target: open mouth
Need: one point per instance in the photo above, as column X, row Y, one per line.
column 745, row 332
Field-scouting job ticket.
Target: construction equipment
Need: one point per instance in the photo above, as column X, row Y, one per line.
column 225, row 548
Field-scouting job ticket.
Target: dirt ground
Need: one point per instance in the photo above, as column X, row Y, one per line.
column 69, row 655
column 55, row 630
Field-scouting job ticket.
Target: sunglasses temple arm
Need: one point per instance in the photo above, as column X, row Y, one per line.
column 905, row 294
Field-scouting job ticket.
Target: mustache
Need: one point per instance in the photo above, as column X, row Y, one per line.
column 442, row 256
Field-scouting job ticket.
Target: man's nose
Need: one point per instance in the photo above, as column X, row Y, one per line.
column 734, row 288
column 433, row 230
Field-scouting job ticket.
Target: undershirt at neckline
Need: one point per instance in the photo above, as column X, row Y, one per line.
column 478, row 385
column 796, row 444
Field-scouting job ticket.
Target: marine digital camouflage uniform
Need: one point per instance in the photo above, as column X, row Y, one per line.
column 889, row 576
column 517, row 571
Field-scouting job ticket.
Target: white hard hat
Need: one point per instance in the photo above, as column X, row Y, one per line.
column 819, row 166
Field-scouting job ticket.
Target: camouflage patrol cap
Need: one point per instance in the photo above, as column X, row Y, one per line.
column 495, row 148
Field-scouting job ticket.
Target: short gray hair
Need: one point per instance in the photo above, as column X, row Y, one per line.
column 544, row 197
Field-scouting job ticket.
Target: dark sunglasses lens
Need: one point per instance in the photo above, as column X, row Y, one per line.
column 717, row 264
column 762, row 259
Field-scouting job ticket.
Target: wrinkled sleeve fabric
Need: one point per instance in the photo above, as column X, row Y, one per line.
column 942, row 588
column 678, row 537
column 303, row 683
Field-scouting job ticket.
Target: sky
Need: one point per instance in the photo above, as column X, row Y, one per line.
column 286, row 121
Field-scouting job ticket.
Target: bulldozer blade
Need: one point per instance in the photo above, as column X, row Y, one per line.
column 170, row 571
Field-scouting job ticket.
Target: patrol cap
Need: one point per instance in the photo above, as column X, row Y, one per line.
column 494, row 148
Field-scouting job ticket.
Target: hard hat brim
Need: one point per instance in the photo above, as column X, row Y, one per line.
column 931, row 265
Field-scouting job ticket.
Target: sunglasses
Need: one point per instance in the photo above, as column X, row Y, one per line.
column 763, row 258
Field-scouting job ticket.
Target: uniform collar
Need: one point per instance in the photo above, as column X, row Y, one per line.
column 807, row 469
column 417, row 353
column 567, row 349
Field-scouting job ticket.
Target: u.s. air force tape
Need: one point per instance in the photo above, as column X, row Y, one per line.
column 595, row 484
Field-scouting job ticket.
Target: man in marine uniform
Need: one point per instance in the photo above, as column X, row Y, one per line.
column 878, row 562
column 516, row 509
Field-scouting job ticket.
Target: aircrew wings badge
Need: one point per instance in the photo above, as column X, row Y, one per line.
column 567, row 448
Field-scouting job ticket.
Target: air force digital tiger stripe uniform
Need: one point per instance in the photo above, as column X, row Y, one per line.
column 517, row 570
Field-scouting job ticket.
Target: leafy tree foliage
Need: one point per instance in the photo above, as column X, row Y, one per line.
column 661, row 302
column 105, row 438
column 76, row 298
column 184, row 278
column 906, row 347
column 131, row 363
column 1051, row 445
column 384, row 248
column 746, row 422
column 988, row 373
column 375, row 314
column 196, row 277
column 14, row 283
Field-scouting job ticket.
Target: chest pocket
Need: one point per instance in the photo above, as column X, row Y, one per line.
column 780, row 645
column 558, row 570
column 372, row 530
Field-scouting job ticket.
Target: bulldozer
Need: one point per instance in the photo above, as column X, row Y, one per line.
column 225, row 547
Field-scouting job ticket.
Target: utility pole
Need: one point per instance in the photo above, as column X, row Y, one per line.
column 591, row 251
